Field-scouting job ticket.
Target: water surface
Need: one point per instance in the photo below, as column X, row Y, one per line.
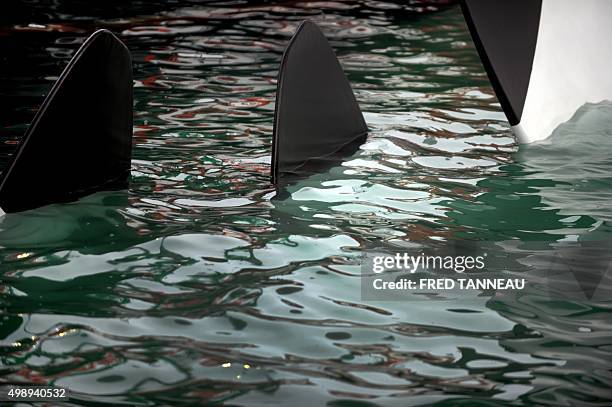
column 202, row 283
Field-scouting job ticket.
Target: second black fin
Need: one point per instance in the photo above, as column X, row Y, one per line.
column 80, row 141
column 316, row 112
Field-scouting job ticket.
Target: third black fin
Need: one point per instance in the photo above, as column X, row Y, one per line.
column 316, row 113
column 545, row 58
column 505, row 34
column 80, row 141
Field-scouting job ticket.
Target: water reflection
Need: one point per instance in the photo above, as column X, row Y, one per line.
column 204, row 283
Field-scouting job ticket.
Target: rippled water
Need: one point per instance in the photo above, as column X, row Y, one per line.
column 202, row 283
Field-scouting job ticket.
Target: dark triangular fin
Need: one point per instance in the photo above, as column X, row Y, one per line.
column 505, row 34
column 316, row 111
column 81, row 138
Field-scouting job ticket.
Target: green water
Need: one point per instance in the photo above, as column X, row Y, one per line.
column 203, row 284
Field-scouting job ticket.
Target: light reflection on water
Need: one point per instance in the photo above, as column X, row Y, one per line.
column 202, row 282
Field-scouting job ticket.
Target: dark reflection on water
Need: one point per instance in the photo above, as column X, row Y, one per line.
column 203, row 283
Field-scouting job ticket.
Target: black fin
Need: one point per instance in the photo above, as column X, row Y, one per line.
column 316, row 112
column 505, row 34
column 80, row 141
